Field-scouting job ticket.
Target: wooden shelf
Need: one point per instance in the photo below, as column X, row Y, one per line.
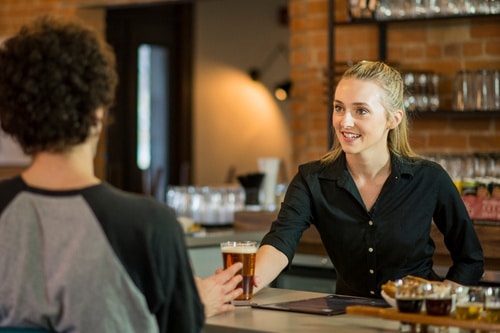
column 419, row 19
column 453, row 114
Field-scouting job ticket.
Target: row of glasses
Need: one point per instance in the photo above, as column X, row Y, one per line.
column 477, row 90
column 472, row 90
column 478, row 302
column 415, row 296
column 206, row 205
column 401, row 9
column 477, row 165
column 421, row 91
column 442, row 299
column 473, row 174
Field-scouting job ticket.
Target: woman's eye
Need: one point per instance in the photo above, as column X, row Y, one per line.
column 362, row 111
column 337, row 108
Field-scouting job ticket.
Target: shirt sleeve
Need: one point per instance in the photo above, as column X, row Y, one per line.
column 183, row 310
column 452, row 219
column 294, row 217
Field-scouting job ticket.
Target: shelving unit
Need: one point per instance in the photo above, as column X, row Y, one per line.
column 383, row 26
column 454, row 114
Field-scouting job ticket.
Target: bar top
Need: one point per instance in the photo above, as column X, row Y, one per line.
column 247, row 319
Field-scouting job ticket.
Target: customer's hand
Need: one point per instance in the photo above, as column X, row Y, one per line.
column 256, row 282
column 217, row 291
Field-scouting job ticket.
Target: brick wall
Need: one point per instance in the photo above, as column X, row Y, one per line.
column 440, row 46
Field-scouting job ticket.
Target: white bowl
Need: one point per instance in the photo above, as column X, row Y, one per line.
column 388, row 299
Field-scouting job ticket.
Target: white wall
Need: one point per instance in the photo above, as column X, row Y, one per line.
column 236, row 120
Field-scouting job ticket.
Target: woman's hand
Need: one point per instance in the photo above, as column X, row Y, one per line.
column 217, row 291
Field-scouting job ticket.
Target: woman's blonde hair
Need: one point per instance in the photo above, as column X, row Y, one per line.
column 391, row 82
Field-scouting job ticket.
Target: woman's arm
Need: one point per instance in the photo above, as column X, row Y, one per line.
column 452, row 219
column 268, row 265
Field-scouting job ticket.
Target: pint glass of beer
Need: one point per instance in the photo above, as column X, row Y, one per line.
column 244, row 252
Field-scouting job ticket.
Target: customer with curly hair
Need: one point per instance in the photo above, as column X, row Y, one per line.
column 76, row 254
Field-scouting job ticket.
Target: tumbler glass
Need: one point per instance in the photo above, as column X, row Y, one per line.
column 469, row 303
column 483, row 7
column 421, row 97
column 463, row 98
column 449, row 7
column 494, row 6
column 409, row 296
column 397, row 8
column 244, row 252
column 434, row 8
column 409, row 91
column 416, row 8
column 483, row 90
column 494, row 78
column 438, row 299
column 409, row 299
column 434, row 92
column 383, row 10
column 468, row 7
column 492, row 305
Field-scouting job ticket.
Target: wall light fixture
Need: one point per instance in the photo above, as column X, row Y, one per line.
column 282, row 90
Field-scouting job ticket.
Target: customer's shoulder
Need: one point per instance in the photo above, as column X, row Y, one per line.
column 132, row 217
column 9, row 188
column 130, row 204
column 14, row 183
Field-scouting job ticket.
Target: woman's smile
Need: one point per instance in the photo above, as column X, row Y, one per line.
column 350, row 136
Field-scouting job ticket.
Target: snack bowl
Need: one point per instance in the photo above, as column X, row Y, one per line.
column 391, row 301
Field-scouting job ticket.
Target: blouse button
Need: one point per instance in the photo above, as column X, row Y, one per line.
column 370, row 249
column 370, row 222
column 372, row 292
column 371, row 271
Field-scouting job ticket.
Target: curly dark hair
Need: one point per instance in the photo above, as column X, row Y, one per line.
column 54, row 75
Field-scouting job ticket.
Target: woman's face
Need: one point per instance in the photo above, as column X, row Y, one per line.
column 359, row 118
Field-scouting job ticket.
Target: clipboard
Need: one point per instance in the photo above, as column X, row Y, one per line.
column 329, row 305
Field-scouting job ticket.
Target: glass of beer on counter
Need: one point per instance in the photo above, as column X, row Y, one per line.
column 469, row 302
column 438, row 299
column 492, row 305
column 409, row 296
column 244, row 252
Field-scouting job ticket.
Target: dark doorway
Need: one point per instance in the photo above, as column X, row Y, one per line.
column 149, row 135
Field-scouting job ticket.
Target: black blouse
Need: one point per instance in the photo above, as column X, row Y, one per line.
column 392, row 240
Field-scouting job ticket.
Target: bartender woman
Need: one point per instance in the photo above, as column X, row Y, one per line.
column 371, row 198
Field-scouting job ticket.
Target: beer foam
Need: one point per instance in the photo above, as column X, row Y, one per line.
column 239, row 249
